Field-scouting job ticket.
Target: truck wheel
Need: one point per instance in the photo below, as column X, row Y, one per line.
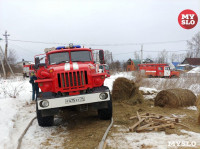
column 44, row 121
column 106, row 114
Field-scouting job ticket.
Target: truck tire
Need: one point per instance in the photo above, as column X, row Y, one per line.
column 106, row 113
column 44, row 121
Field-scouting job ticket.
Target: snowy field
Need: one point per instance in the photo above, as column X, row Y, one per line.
column 16, row 111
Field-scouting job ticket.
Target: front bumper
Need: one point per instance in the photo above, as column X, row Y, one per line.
column 72, row 100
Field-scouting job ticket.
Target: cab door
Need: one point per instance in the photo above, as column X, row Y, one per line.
column 166, row 71
column 160, row 71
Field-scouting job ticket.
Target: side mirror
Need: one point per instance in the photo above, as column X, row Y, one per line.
column 37, row 62
column 101, row 57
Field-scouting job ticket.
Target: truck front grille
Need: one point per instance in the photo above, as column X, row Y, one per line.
column 72, row 79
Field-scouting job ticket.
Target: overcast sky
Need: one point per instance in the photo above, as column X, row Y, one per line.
column 96, row 22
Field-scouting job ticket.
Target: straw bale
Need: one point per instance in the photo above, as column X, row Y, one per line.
column 175, row 98
column 125, row 89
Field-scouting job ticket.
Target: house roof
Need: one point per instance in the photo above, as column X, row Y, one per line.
column 192, row 61
column 175, row 63
column 136, row 62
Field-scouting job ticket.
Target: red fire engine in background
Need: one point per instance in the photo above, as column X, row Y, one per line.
column 27, row 69
column 157, row 70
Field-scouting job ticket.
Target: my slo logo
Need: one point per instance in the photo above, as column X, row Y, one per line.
column 187, row 19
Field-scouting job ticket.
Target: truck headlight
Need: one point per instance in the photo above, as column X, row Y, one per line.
column 44, row 103
column 103, row 96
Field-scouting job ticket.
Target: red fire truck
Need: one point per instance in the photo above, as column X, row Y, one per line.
column 70, row 77
column 157, row 70
column 27, row 69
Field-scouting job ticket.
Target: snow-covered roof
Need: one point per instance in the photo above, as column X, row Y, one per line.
column 194, row 70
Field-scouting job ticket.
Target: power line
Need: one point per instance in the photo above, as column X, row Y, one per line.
column 114, row 44
column 144, row 43
column 149, row 51
column 37, row 42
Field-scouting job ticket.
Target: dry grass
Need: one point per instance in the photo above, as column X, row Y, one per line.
column 187, row 82
column 138, row 77
column 122, row 112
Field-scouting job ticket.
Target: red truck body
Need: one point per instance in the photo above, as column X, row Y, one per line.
column 157, row 70
column 70, row 77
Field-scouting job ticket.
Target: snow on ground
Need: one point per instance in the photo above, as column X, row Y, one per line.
column 43, row 137
column 15, row 94
column 109, row 81
column 149, row 93
column 148, row 90
column 8, row 112
column 16, row 111
column 194, row 70
column 155, row 140
column 192, row 108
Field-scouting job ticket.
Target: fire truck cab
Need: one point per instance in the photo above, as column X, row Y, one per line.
column 157, row 70
column 70, row 78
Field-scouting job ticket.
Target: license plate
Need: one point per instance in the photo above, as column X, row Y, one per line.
column 74, row 100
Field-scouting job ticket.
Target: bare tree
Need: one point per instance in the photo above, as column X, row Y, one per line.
column 107, row 56
column 173, row 57
column 162, row 56
column 124, row 65
column 136, row 55
column 181, row 57
column 115, row 66
column 12, row 58
column 194, row 46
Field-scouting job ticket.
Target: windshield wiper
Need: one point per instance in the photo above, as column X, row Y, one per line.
column 59, row 62
column 62, row 62
column 79, row 61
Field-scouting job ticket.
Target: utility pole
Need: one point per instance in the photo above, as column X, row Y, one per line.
column 111, row 57
column 141, row 53
column 6, row 46
column 6, row 49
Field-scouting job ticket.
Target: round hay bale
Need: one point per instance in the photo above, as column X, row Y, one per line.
column 175, row 98
column 198, row 107
column 125, row 89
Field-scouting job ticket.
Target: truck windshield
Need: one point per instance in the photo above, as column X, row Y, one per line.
column 57, row 58
column 80, row 56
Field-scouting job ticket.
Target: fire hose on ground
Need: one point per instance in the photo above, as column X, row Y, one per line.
column 102, row 143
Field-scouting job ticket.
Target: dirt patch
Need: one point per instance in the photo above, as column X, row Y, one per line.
column 127, row 91
column 175, row 98
column 122, row 113
column 85, row 130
